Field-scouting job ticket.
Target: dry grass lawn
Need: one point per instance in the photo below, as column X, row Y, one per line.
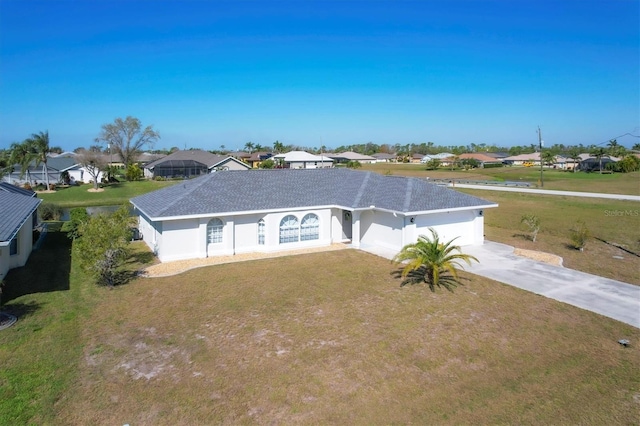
column 293, row 341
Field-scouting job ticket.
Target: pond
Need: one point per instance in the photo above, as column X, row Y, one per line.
column 93, row 210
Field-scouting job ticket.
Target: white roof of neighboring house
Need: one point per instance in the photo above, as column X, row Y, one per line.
column 534, row 156
column 302, row 156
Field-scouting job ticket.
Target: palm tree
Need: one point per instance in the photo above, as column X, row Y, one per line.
column 548, row 158
column 40, row 145
column 22, row 155
column 278, row 147
column 249, row 147
column 432, row 261
column 574, row 154
column 614, row 147
column 598, row 153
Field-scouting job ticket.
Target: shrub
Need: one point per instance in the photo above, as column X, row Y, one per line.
column 433, row 164
column 77, row 216
column 532, row 222
column 579, row 235
column 50, row 211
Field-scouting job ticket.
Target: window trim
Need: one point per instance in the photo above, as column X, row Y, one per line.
column 215, row 231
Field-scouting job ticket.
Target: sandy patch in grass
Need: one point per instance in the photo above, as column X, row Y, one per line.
column 95, row 190
column 166, row 269
column 539, row 256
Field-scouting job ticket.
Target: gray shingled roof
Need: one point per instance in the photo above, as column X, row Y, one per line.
column 5, row 186
column 198, row 155
column 15, row 209
column 264, row 190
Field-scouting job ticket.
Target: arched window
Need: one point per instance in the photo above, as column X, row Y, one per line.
column 261, row 231
column 214, row 231
column 289, row 229
column 310, row 228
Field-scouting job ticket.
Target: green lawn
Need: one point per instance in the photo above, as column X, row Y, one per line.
column 616, row 222
column 290, row 340
column 113, row 194
column 617, row 183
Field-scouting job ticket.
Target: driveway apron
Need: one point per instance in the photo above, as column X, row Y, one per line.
column 611, row 298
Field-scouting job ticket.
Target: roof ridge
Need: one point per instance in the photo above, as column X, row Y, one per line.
column 193, row 185
column 363, row 186
column 407, row 195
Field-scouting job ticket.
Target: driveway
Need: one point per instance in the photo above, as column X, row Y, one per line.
column 611, row 298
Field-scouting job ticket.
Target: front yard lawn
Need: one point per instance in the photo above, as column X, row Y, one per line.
column 319, row 338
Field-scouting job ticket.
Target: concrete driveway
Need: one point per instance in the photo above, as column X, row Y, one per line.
column 611, row 298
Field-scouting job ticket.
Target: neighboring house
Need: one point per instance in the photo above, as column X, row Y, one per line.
column 519, row 160
column 481, row 158
column 191, row 163
column 274, row 210
column 417, row 158
column 17, row 217
column 56, row 166
column 345, row 157
column 257, row 158
column 383, row 157
column 589, row 163
column 302, row 160
column 440, row 156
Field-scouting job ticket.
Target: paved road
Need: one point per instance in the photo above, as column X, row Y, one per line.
column 549, row 192
column 613, row 299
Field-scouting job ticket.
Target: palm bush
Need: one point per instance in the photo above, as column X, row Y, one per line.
column 432, row 261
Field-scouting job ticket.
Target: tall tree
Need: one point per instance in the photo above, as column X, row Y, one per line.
column 39, row 143
column 574, row 154
column 249, row 147
column 278, row 147
column 103, row 245
column 614, row 147
column 127, row 138
column 598, row 153
column 548, row 157
column 432, row 261
column 22, row 155
column 93, row 162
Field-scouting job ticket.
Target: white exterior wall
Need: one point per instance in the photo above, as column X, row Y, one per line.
column 187, row 238
column 25, row 245
column 467, row 226
column 381, row 229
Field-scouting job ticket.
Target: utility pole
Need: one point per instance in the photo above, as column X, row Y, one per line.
column 541, row 182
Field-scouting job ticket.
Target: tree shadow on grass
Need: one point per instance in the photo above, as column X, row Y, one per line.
column 47, row 269
column 523, row 236
column 418, row 276
column 21, row 310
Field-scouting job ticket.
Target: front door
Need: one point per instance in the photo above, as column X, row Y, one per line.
column 347, row 224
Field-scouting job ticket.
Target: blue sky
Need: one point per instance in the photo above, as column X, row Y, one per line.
column 308, row 73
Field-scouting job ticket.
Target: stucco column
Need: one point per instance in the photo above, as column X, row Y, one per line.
column 355, row 230
column 202, row 237
column 409, row 230
column 230, row 247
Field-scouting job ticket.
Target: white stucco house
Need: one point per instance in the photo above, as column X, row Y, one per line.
column 234, row 212
column 56, row 166
column 17, row 220
column 303, row 160
column 345, row 157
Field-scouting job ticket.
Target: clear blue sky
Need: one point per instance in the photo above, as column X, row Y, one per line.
column 307, row 73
